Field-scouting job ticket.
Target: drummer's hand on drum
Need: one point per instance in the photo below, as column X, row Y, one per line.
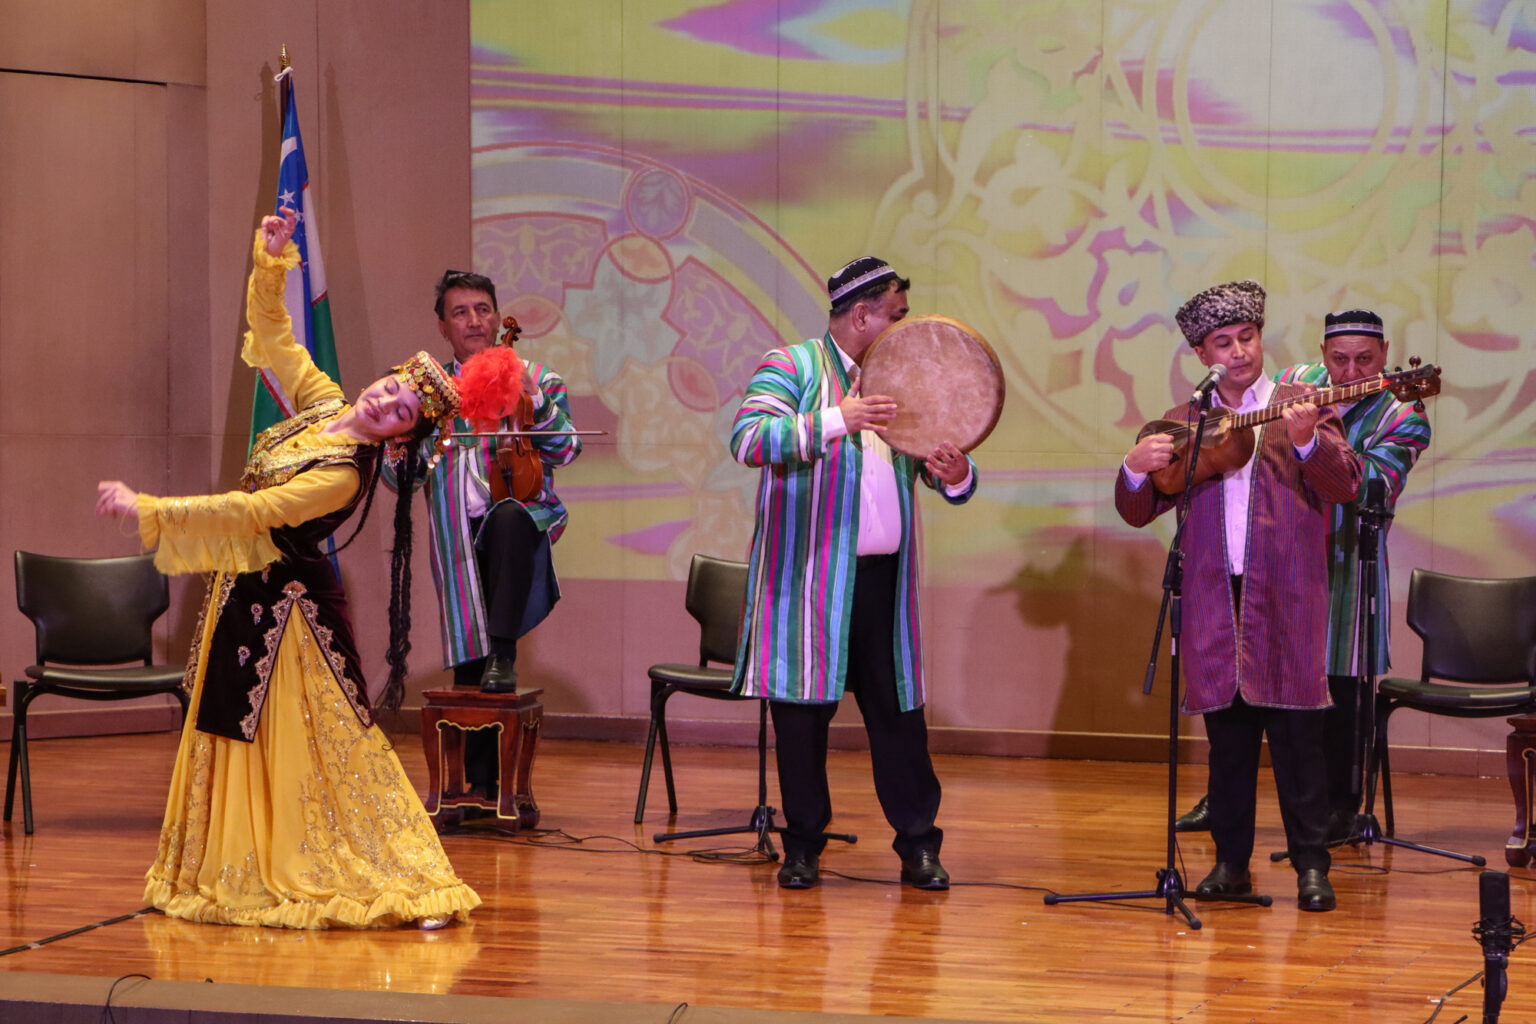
column 872, row 413
column 948, row 463
column 1151, row 453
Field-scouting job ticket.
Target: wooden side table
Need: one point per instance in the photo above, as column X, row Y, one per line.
column 516, row 717
column 1519, row 750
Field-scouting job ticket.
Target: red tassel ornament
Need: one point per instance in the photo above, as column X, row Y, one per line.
column 490, row 385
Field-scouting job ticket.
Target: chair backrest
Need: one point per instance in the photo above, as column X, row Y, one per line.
column 1475, row 630
column 91, row 611
column 717, row 594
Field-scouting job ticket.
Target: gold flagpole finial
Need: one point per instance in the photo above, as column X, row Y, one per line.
column 282, row 59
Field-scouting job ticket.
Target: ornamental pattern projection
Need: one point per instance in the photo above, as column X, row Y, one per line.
column 1060, row 174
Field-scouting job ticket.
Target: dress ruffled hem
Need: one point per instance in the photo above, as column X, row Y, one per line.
column 387, row 910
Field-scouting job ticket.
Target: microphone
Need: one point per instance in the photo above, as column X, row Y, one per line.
column 1496, row 928
column 1208, row 383
column 1496, row 932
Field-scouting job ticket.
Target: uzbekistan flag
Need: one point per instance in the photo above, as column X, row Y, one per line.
column 307, row 302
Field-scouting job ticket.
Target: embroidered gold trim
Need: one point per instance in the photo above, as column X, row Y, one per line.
column 337, row 662
column 272, row 639
column 197, row 633
column 273, row 462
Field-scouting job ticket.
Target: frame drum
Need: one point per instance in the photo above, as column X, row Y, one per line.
column 945, row 378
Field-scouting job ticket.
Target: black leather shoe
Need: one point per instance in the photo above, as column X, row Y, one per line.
column 799, row 872
column 1197, row 818
column 1313, row 891
column 924, row 872
column 1225, row 880
column 500, row 675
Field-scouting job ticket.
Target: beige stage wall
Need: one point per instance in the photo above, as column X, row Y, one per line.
column 137, row 150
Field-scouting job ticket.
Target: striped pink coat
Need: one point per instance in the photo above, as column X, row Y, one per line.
column 794, row 634
column 1273, row 649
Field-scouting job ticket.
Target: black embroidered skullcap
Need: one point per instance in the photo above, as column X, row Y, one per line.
column 1353, row 321
column 1236, row 302
column 861, row 273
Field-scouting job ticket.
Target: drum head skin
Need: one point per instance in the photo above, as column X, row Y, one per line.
column 945, row 378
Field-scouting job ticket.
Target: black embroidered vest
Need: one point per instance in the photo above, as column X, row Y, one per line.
column 253, row 608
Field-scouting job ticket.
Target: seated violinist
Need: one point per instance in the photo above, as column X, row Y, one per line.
column 492, row 525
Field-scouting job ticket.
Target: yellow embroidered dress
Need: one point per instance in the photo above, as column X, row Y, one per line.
column 288, row 807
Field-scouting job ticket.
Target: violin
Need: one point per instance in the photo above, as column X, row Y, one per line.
column 1227, row 443
column 520, row 473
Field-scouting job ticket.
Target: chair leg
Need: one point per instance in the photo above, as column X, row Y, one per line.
column 1384, row 759
column 645, row 771
column 20, row 764
column 26, row 776
column 660, row 715
column 10, row 773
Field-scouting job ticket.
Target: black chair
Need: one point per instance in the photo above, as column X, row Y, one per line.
column 1480, row 635
column 716, row 595
column 91, row 616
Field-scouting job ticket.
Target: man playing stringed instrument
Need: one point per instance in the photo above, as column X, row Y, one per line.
column 1390, row 434
column 1255, row 589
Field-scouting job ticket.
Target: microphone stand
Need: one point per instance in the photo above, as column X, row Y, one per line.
column 1496, row 931
column 1170, row 887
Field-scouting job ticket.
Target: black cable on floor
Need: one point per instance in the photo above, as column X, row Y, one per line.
column 1440, row 1003
column 76, row 931
column 555, row 838
column 107, row 1016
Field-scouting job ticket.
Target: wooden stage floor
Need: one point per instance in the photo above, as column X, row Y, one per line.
column 597, row 914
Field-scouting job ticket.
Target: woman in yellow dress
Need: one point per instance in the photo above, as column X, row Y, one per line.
column 288, row 807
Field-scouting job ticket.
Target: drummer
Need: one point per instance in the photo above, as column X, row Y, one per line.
column 833, row 583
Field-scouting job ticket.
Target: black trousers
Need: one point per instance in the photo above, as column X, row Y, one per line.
column 1343, row 750
column 905, row 782
column 504, row 552
column 1296, row 754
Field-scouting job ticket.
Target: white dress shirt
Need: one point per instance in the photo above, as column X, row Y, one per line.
column 879, row 504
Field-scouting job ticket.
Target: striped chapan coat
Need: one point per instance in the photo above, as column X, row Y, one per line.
column 461, row 603
column 794, row 637
column 1389, row 437
column 1271, row 648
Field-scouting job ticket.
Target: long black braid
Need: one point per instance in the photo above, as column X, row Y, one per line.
column 400, row 581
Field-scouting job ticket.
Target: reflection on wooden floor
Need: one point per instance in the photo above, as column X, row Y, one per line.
column 594, row 920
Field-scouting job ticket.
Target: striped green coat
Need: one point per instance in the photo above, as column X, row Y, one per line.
column 1389, row 435
column 461, row 604
column 794, row 637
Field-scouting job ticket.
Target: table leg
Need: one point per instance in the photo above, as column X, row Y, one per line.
column 430, row 716
column 529, row 721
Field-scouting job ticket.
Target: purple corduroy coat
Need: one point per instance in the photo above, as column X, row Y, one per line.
column 1273, row 649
